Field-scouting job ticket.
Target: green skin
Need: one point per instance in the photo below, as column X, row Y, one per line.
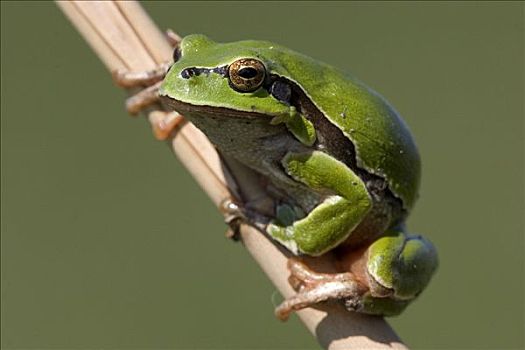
column 325, row 195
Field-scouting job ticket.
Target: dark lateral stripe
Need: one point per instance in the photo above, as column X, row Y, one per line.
column 191, row 71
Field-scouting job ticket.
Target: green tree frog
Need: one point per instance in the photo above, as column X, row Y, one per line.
column 342, row 166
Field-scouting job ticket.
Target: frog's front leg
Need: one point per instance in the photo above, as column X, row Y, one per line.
column 162, row 123
column 346, row 202
column 381, row 279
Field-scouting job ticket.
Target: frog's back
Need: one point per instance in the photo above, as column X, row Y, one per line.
column 383, row 143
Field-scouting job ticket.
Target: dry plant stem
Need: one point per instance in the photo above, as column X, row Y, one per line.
column 124, row 37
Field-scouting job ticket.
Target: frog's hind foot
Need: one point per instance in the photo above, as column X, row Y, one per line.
column 314, row 287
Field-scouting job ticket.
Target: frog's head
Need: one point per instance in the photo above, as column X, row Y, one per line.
column 234, row 76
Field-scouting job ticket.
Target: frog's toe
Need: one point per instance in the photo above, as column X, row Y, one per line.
column 129, row 79
column 164, row 123
column 317, row 293
column 173, row 38
column 314, row 287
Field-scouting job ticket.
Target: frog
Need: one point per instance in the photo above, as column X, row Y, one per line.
column 341, row 166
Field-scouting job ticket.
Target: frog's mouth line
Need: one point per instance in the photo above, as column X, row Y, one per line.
column 186, row 108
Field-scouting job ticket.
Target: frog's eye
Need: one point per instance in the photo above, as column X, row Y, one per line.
column 176, row 54
column 246, row 74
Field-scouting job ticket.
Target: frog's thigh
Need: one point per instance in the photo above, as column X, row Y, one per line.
column 334, row 219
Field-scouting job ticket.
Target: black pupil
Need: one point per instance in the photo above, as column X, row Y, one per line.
column 247, row 72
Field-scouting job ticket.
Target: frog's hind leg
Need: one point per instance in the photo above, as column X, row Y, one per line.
column 316, row 287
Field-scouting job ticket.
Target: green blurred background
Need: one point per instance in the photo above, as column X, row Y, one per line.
column 107, row 242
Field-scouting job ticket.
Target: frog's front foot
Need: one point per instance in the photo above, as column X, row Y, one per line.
column 314, row 287
column 164, row 123
column 149, row 81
